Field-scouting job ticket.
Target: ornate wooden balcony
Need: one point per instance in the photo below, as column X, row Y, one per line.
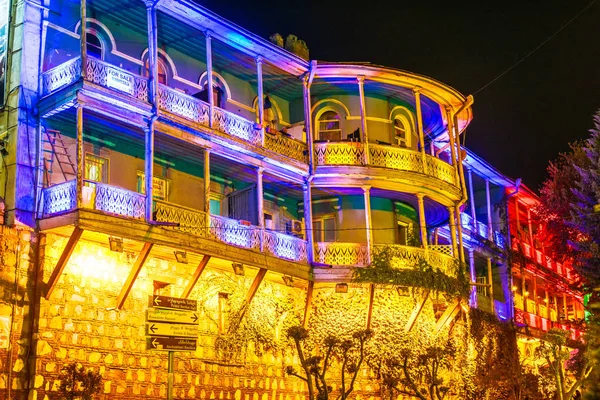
column 336, row 253
column 439, row 257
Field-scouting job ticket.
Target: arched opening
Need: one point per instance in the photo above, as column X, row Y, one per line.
column 93, row 46
column 329, row 127
column 401, row 133
column 162, row 71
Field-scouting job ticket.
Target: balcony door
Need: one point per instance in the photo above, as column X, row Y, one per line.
column 324, row 229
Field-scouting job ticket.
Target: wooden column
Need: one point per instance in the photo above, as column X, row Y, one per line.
column 260, row 205
column 80, row 157
column 368, row 223
column 536, row 309
column 452, row 144
column 530, row 227
column 422, row 221
column 209, row 78
column 475, row 226
column 83, row 39
column 308, row 227
column 63, row 260
column 473, row 277
column 308, row 122
column 149, row 170
column 152, row 53
column 565, row 308
column 547, row 301
column 417, row 94
column 489, row 210
column 524, row 288
column 133, row 274
column 363, row 116
column 490, row 279
column 207, row 183
column 261, row 97
column 195, row 277
column 452, row 225
column 461, row 249
column 252, row 291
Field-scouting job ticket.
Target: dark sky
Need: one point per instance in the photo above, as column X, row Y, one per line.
column 521, row 121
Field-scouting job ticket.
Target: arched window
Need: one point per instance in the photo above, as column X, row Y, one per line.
column 401, row 134
column 162, row 71
column 329, row 126
column 93, row 46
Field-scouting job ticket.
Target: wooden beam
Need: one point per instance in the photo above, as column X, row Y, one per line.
column 135, row 270
column 371, row 297
column 63, row 260
column 448, row 315
column 195, row 277
column 308, row 305
column 416, row 312
column 252, row 291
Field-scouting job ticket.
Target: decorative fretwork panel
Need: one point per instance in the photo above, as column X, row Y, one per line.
column 442, row 248
column 115, row 200
column 59, row 198
column 285, row 246
column 233, row 232
column 190, row 220
column 346, row 153
column 440, row 169
column 183, row 105
column 61, row 76
column 287, row 146
column 407, row 257
column 109, row 76
column 395, row 158
column 237, row 126
column 334, row 253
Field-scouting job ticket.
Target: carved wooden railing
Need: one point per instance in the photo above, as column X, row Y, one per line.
column 287, row 146
column 237, row 126
column 109, row 76
column 234, row 232
column 59, row 198
column 335, row 253
column 442, row 248
column 183, row 105
column 441, row 170
column 342, row 153
column 61, row 76
column 408, row 256
column 189, row 220
column 119, row 201
column 395, row 158
column 285, row 246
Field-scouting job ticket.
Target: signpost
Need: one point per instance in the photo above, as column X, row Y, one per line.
column 172, row 325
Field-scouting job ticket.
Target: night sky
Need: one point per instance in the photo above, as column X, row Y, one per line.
column 521, row 121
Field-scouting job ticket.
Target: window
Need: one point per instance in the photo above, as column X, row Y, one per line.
column 401, row 133
column 96, row 168
column 269, row 222
column 215, row 205
column 403, row 229
column 324, row 229
column 162, row 72
column 93, row 46
column 329, row 126
column 160, row 186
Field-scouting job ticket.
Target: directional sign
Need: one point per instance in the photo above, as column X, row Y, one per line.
column 182, row 330
column 171, row 344
column 176, row 316
column 174, row 303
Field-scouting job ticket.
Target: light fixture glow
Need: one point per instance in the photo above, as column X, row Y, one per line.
column 181, row 256
column 288, row 280
column 341, row 288
column 402, row 291
column 115, row 244
column 238, row 268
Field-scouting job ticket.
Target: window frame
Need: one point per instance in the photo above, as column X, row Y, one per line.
column 400, row 125
column 321, row 219
column 320, row 120
column 101, row 47
column 105, row 168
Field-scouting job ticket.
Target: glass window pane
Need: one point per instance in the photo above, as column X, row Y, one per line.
column 317, row 231
column 329, row 230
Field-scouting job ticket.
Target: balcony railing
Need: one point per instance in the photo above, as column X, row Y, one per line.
column 61, row 76
column 189, row 220
column 183, row 105
column 285, row 246
column 109, row 76
column 235, row 232
column 237, row 126
column 335, row 253
column 438, row 257
column 287, row 146
column 397, row 158
column 59, row 198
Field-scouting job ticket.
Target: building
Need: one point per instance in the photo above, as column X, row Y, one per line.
column 165, row 151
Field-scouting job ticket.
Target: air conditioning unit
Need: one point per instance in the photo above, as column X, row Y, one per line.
column 294, row 227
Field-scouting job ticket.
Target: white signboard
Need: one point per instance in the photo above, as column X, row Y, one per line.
column 180, row 330
column 119, row 80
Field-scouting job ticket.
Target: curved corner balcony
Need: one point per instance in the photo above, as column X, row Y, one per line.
column 173, row 103
column 111, row 200
column 384, row 156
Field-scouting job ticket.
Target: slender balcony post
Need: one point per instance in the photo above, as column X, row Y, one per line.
column 363, row 116
column 530, row 227
column 83, row 40
column 417, row 93
column 452, row 225
column 517, row 218
column 149, row 169
column 368, row 223
column 209, row 78
column 473, row 274
column 207, row 182
column 310, row 246
column 535, row 300
column 422, row 221
column 453, row 157
column 308, row 123
column 260, row 205
column 475, row 225
column 152, row 53
column 261, row 98
column 79, row 157
column 490, row 279
column 524, row 288
column 547, row 301
column 489, row 210
column 565, row 307
column 461, row 249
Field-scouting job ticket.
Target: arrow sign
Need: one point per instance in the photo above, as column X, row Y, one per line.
column 177, row 316
column 181, row 330
column 171, row 344
column 174, row 303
